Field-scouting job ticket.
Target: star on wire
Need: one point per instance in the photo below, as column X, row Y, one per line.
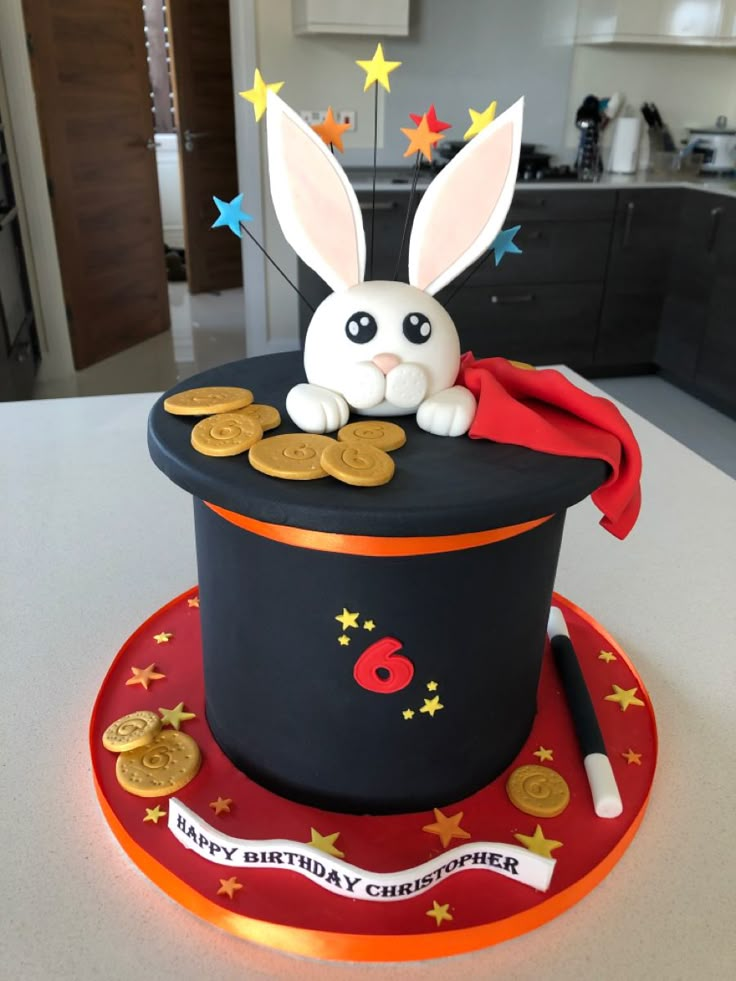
column 377, row 69
column 257, row 95
column 435, row 125
column 231, row 215
column 504, row 242
column 421, row 140
column 331, row 131
column 479, row 120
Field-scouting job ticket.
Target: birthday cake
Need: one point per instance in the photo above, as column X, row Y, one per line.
column 381, row 649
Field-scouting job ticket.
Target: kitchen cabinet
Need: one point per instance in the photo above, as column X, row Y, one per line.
column 650, row 22
column 380, row 17
column 641, row 249
column 697, row 338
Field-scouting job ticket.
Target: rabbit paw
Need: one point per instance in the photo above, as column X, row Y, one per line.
column 448, row 413
column 316, row 410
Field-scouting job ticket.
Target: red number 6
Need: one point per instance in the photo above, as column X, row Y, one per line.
column 396, row 670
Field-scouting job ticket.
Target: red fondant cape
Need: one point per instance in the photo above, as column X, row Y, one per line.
column 544, row 411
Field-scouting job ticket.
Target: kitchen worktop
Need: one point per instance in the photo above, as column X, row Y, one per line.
column 398, row 179
column 96, row 539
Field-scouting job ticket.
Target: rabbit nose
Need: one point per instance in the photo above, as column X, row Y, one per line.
column 386, row 362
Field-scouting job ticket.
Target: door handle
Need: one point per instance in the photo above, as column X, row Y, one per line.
column 715, row 220
column 190, row 138
column 518, row 298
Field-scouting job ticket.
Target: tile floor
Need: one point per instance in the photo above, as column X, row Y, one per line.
column 207, row 330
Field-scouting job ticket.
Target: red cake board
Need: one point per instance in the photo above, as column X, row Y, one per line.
column 281, row 909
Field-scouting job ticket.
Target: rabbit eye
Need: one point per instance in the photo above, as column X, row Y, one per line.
column 417, row 328
column 361, row 327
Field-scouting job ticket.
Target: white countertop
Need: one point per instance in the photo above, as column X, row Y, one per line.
column 95, row 539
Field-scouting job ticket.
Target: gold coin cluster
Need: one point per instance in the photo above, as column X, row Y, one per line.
column 358, row 456
column 232, row 421
column 151, row 762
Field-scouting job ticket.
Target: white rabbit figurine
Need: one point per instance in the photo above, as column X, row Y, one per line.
column 386, row 348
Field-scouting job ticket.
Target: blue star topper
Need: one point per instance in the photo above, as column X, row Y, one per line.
column 504, row 242
column 231, row 215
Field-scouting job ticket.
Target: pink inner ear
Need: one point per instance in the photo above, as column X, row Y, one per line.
column 322, row 209
column 462, row 209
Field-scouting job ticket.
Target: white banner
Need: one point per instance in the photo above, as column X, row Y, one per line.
column 340, row 877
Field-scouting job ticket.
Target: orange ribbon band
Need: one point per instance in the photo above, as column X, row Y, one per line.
column 323, row 541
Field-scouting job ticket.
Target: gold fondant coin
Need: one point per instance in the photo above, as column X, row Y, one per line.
column 538, row 790
column 385, row 435
column 267, row 415
column 131, row 731
column 293, row 456
column 362, row 466
column 162, row 767
column 208, row 401
column 226, row 434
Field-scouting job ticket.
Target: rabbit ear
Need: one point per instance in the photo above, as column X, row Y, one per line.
column 316, row 207
column 464, row 207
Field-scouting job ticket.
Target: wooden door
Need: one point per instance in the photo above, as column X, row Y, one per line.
column 92, row 94
column 199, row 40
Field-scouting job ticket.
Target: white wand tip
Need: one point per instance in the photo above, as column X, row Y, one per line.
column 556, row 626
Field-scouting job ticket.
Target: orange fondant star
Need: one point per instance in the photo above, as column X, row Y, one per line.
column 221, row 805
column 446, row 828
column 331, row 131
column 377, row 69
column 543, row 754
column 144, row 676
column 326, row 843
column 631, row 757
column 163, row 637
column 607, row 656
column 432, row 705
column 421, row 139
column 193, row 601
column 624, row 697
column 439, row 913
column 228, row 887
column 154, row 814
column 538, row 844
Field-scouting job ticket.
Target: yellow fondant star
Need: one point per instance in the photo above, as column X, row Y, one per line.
column 432, row 686
column 163, row 637
column 331, row 131
column 228, row 887
column 432, row 705
column 607, row 656
column 257, row 95
column 543, row 754
column 154, row 814
column 325, row 843
column 631, row 757
column 624, row 697
column 408, row 713
column 446, row 828
column 348, row 619
column 343, row 640
column 538, row 844
column 421, row 140
column 174, row 717
column 369, row 625
column 479, row 120
column 221, row 805
column 377, row 69
column 144, row 676
column 439, row 913
column 193, row 601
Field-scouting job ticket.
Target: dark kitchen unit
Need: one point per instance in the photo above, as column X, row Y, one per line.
column 612, row 281
column 19, row 350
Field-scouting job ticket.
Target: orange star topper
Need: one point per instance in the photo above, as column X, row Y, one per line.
column 331, row 130
column 421, row 139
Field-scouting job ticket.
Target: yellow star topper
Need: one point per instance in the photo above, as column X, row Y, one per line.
column 257, row 95
column 377, row 69
column 479, row 120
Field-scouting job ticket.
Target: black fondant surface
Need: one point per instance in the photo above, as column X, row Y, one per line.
column 282, row 700
column 442, row 486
